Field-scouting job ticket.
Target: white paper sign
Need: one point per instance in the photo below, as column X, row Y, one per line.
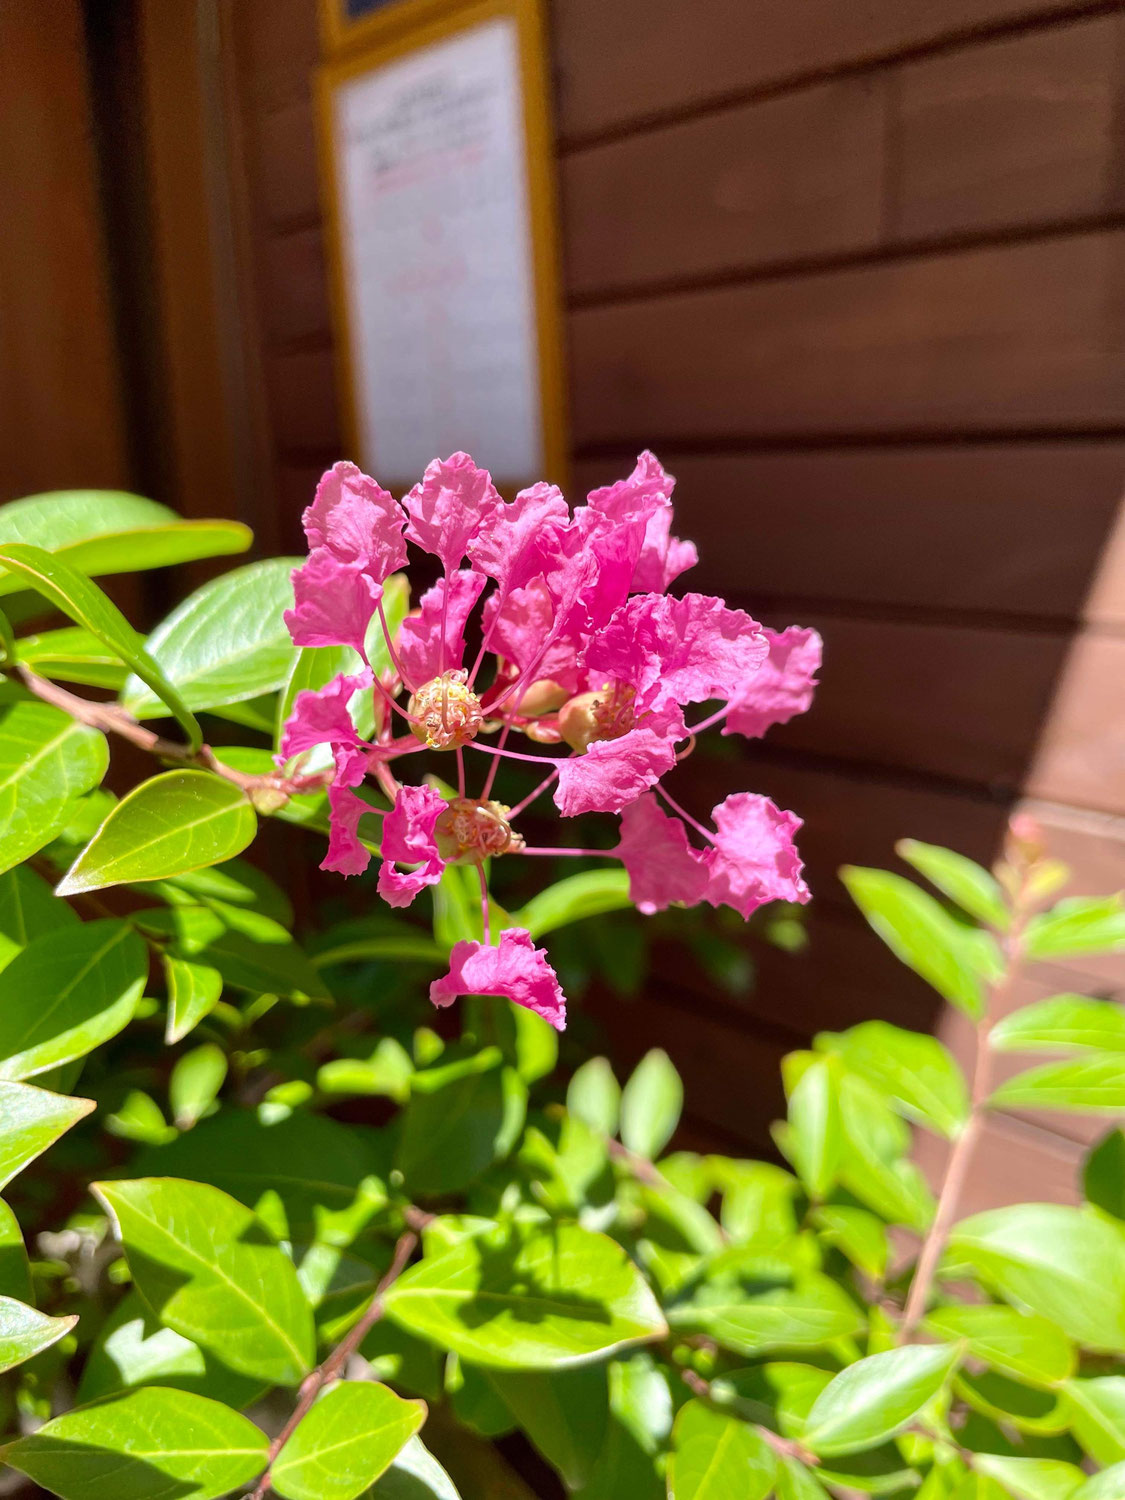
column 436, row 247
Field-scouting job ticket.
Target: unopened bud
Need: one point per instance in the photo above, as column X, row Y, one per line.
column 589, row 717
column 542, row 697
column 268, row 799
column 446, row 713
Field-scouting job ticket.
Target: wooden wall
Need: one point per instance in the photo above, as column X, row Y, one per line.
column 857, row 273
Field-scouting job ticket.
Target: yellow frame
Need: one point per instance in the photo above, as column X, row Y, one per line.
column 341, row 33
column 392, row 33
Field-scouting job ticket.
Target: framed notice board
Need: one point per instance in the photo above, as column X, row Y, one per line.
column 435, row 141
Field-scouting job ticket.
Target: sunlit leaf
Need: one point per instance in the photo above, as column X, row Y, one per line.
column 31, row 1119
column 349, row 1437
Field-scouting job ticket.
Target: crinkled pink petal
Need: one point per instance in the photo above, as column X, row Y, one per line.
column 754, row 859
column 523, row 629
column 515, row 969
column 663, row 867
column 647, row 490
column 334, row 602
column 452, row 505
column 690, row 649
column 321, row 717
column 408, row 836
column 510, row 548
column 663, row 556
column 781, row 688
column 358, row 521
column 419, row 637
column 613, row 773
column 346, row 855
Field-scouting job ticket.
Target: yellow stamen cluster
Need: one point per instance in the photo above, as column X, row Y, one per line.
column 470, row 829
column 446, row 712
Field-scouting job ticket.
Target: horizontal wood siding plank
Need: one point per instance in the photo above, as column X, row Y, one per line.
column 1013, row 1163
column 783, row 179
column 294, row 287
column 285, row 175
column 624, row 60
column 1079, row 753
column 276, row 45
column 1008, row 133
column 1017, row 336
column 1010, row 528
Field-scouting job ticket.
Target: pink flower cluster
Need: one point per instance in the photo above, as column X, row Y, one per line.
column 581, row 647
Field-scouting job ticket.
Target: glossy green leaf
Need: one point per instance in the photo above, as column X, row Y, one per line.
column 921, row 933
column 24, row 1332
column 1098, row 1416
column 912, row 1070
column 74, row 594
column 1093, row 1082
column 874, row 1165
column 133, row 1349
column 66, row 993
column 1065, row 1023
column 47, row 759
column 1076, row 927
column 386, row 1072
column 718, row 1457
column 178, row 821
column 195, row 1083
column 72, row 654
column 876, row 1397
column 1019, row 1343
column 148, row 1444
column 972, row 887
column 563, row 1412
column 193, row 993
column 591, row 893
column 651, row 1102
column 1031, row 1478
column 814, row 1127
column 1108, row 1485
column 31, row 1119
column 249, row 950
column 226, row 642
column 1066, row 1264
column 594, row 1096
column 28, row 909
column 208, row 1270
column 813, row 1312
column 236, row 882
column 345, row 1442
column 110, row 531
column 307, row 1177
column 1103, row 1174
column 530, row 1299
column 462, row 1116
column 15, row 1272
column 859, row 1235
column 140, row 1118
column 415, row 1475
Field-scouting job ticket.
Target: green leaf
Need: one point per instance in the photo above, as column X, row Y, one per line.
column 1108, row 1485
column 31, row 1119
column 718, row 1457
column 651, row 1102
column 1098, row 1420
column 876, row 1397
column 148, row 1444
column 814, row 1127
column 66, row 993
column 86, row 605
column 250, row 951
column 913, row 1072
column 563, row 1412
column 139, row 1118
column 1103, row 1174
column 226, row 642
column 307, row 1177
column 193, row 993
column 345, row 1442
column 133, row 1349
column 921, row 933
column 1066, row 1264
column 72, row 655
column 1095, row 1082
column 461, row 1118
column 1031, row 1478
column 415, row 1475
column 236, row 882
column 24, row 1332
column 195, row 1083
column 110, row 531
column 594, row 1096
column 47, row 759
column 28, row 909
column 387, row 1071
column 15, row 1273
column 178, row 821
column 813, row 1312
column 1021, row 1344
column 529, row 1299
column 208, row 1270
column 591, row 893
column 1077, row 927
column 1064, row 1023
column 859, row 1235
column 873, row 1165
column 965, row 882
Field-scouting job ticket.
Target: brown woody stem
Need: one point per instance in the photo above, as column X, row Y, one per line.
column 784, row 1447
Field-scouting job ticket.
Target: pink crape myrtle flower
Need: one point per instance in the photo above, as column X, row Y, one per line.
column 555, row 626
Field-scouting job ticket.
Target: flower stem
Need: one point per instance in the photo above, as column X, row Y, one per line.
column 532, row 796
